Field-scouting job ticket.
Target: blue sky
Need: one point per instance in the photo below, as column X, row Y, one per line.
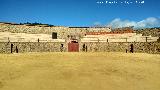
column 77, row 12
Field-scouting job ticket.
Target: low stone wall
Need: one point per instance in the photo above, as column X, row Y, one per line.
column 142, row 47
column 31, row 47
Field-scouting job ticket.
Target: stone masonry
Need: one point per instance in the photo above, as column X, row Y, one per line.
column 63, row 34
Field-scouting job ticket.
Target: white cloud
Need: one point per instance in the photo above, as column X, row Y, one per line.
column 148, row 22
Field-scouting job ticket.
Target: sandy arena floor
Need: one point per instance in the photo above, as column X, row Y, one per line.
column 79, row 71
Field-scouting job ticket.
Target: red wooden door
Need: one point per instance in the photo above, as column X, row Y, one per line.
column 73, row 47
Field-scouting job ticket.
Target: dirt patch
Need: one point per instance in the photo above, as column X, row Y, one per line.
column 1, row 84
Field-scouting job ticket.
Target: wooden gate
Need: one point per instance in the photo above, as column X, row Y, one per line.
column 73, row 47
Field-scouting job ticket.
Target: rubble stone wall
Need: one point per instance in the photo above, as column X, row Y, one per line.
column 140, row 47
column 62, row 32
column 31, row 47
column 143, row 47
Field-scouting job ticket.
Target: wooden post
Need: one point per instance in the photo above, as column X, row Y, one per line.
column 146, row 39
column 16, row 49
column 38, row 39
column 126, row 39
column 11, row 48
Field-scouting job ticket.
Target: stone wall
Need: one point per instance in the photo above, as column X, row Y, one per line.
column 62, row 32
column 31, row 47
column 154, row 32
column 142, row 47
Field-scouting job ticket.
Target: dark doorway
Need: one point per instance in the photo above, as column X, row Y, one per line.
column 54, row 35
column 131, row 48
column 61, row 48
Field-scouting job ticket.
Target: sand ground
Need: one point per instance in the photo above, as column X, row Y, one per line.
column 80, row 71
